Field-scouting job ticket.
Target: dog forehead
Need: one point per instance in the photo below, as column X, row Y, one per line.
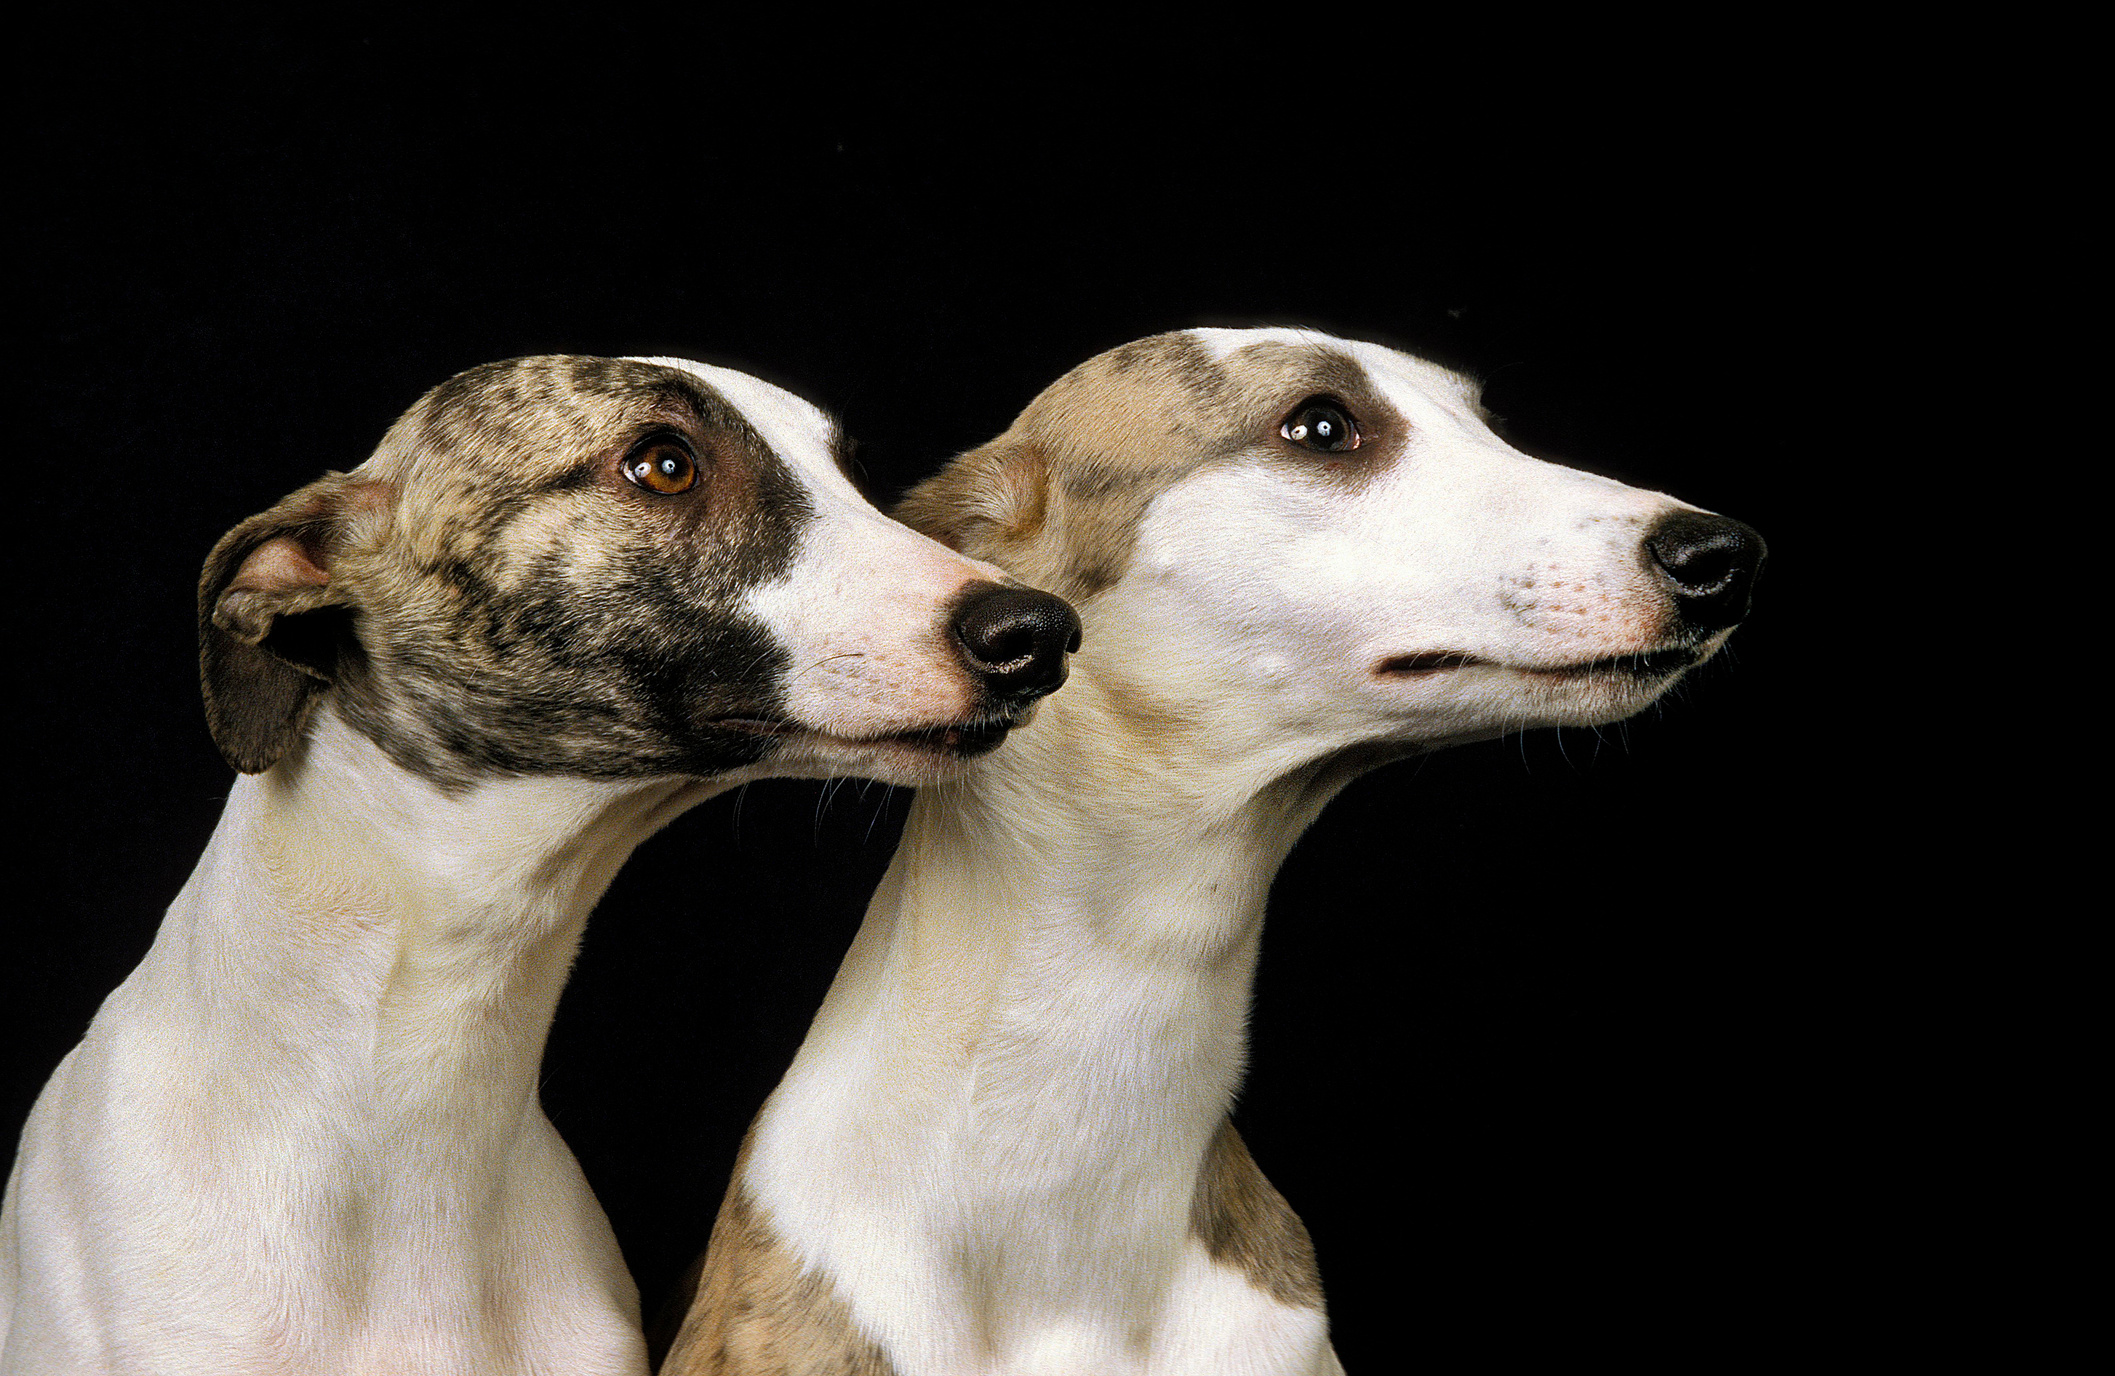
column 1413, row 383
column 1223, row 344
column 796, row 429
column 533, row 420
column 1303, row 355
column 1190, row 378
column 1159, row 405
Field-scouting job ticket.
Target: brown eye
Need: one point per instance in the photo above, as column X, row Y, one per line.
column 1321, row 425
column 662, row 464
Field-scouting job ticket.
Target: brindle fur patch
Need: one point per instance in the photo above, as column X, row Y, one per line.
column 1245, row 1223
column 521, row 608
column 1058, row 498
column 757, row 1312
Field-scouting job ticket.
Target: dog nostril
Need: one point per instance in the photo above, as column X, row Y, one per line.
column 1697, row 568
column 1015, row 639
column 1709, row 563
column 1003, row 644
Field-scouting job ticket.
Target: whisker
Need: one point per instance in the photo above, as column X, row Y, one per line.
column 828, row 659
column 888, row 793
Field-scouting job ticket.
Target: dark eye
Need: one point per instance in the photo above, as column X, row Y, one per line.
column 1321, row 425
column 662, row 464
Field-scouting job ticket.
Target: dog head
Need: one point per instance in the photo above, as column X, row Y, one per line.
column 1309, row 545
column 615, row 568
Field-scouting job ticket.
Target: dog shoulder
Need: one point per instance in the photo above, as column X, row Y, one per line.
column 757, row 1311
column 1244, row 1223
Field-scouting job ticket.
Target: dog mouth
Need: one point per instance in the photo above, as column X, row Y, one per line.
column 963, row 740
column 951, row 740
column 1643, row 665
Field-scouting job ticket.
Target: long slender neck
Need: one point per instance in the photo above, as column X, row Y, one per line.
column 362, row 950
column 1069, row 861
column 1124, row 836
column 1037, row 1032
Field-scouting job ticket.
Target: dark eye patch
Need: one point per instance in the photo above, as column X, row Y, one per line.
column 461, row 674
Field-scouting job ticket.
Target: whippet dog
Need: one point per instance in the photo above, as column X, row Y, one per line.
column 1004, row 1146
column 566, row 599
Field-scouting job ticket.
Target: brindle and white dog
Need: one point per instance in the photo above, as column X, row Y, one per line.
column 1004, row 1147
column 566, row 599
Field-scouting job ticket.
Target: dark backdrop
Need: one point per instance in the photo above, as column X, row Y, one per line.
column 1538, row 1033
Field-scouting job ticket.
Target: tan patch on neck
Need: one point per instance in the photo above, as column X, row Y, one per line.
column 1245, row 1223
column 755, row 1311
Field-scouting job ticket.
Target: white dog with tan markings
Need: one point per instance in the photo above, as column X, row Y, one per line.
column 1004, row 1147
column 566, row 599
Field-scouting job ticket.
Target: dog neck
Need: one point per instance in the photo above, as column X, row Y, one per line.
column 356, row 983
column 438, row 926
column 1034, row 1040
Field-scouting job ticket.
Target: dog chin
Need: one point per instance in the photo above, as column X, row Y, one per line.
column 1597, row 693
column 1469, row 698
column 1591, row 699
column 913, row 757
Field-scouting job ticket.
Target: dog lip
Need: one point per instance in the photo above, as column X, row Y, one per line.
column 756, row 726
column 1638, row 663
column 1427, row 662
column 963, row 738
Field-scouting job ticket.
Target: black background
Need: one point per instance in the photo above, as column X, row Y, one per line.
column 1540, row 1027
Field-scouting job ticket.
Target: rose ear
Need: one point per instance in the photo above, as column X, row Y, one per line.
column 985, row 503
column 270, row 621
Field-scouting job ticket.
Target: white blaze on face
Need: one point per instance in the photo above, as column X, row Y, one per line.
column 863, row 611
column 1295, row 582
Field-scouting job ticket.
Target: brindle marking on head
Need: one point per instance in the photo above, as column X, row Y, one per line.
column 753, row 1309
column 1245, row 1223
column 1057, row 499
column 520, row 607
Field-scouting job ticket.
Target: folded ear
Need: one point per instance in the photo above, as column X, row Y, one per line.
column 985, row 503
column 270, row 621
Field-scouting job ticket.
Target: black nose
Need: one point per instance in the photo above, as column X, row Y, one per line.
column 1709, row 563
column 1015, row 639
